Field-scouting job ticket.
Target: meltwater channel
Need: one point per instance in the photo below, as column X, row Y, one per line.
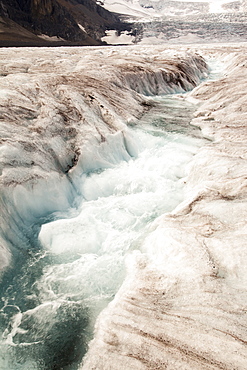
column 48, row 309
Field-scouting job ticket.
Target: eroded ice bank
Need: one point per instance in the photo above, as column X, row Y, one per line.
column 182, row 303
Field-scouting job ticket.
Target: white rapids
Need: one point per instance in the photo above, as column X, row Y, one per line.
column 85, row 255
column 123, row 231
column 120, row 204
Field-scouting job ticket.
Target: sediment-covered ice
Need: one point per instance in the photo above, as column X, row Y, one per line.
column 63, row 112
column 65, row 149
column 183, row 303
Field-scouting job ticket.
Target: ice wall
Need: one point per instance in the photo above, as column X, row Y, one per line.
column 183, row 303
column 63, row 113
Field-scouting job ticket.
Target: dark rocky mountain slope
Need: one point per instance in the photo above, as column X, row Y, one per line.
column 65, row 22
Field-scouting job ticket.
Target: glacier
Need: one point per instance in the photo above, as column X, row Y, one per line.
column 182, row 304
column 156, row 22
column 167, row 264
column 151, row 9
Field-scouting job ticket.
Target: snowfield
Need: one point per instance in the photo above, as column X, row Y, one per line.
column 66, row 115
column 148, row 9
column 157, row 22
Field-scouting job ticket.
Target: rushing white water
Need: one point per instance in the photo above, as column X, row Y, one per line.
column 182, row 301
column 51, row 306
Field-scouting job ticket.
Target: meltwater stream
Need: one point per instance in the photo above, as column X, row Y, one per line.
column 51, row 301
column 50, row 306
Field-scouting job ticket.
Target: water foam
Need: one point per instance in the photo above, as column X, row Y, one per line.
column 125, row 186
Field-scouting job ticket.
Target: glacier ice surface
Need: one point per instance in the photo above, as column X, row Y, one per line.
column 182, row 302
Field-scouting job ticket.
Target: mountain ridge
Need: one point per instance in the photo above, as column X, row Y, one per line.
column 54, row 22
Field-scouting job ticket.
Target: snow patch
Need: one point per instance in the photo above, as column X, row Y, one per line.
column 113, row 38
column 51, row 38
column 82, row 28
